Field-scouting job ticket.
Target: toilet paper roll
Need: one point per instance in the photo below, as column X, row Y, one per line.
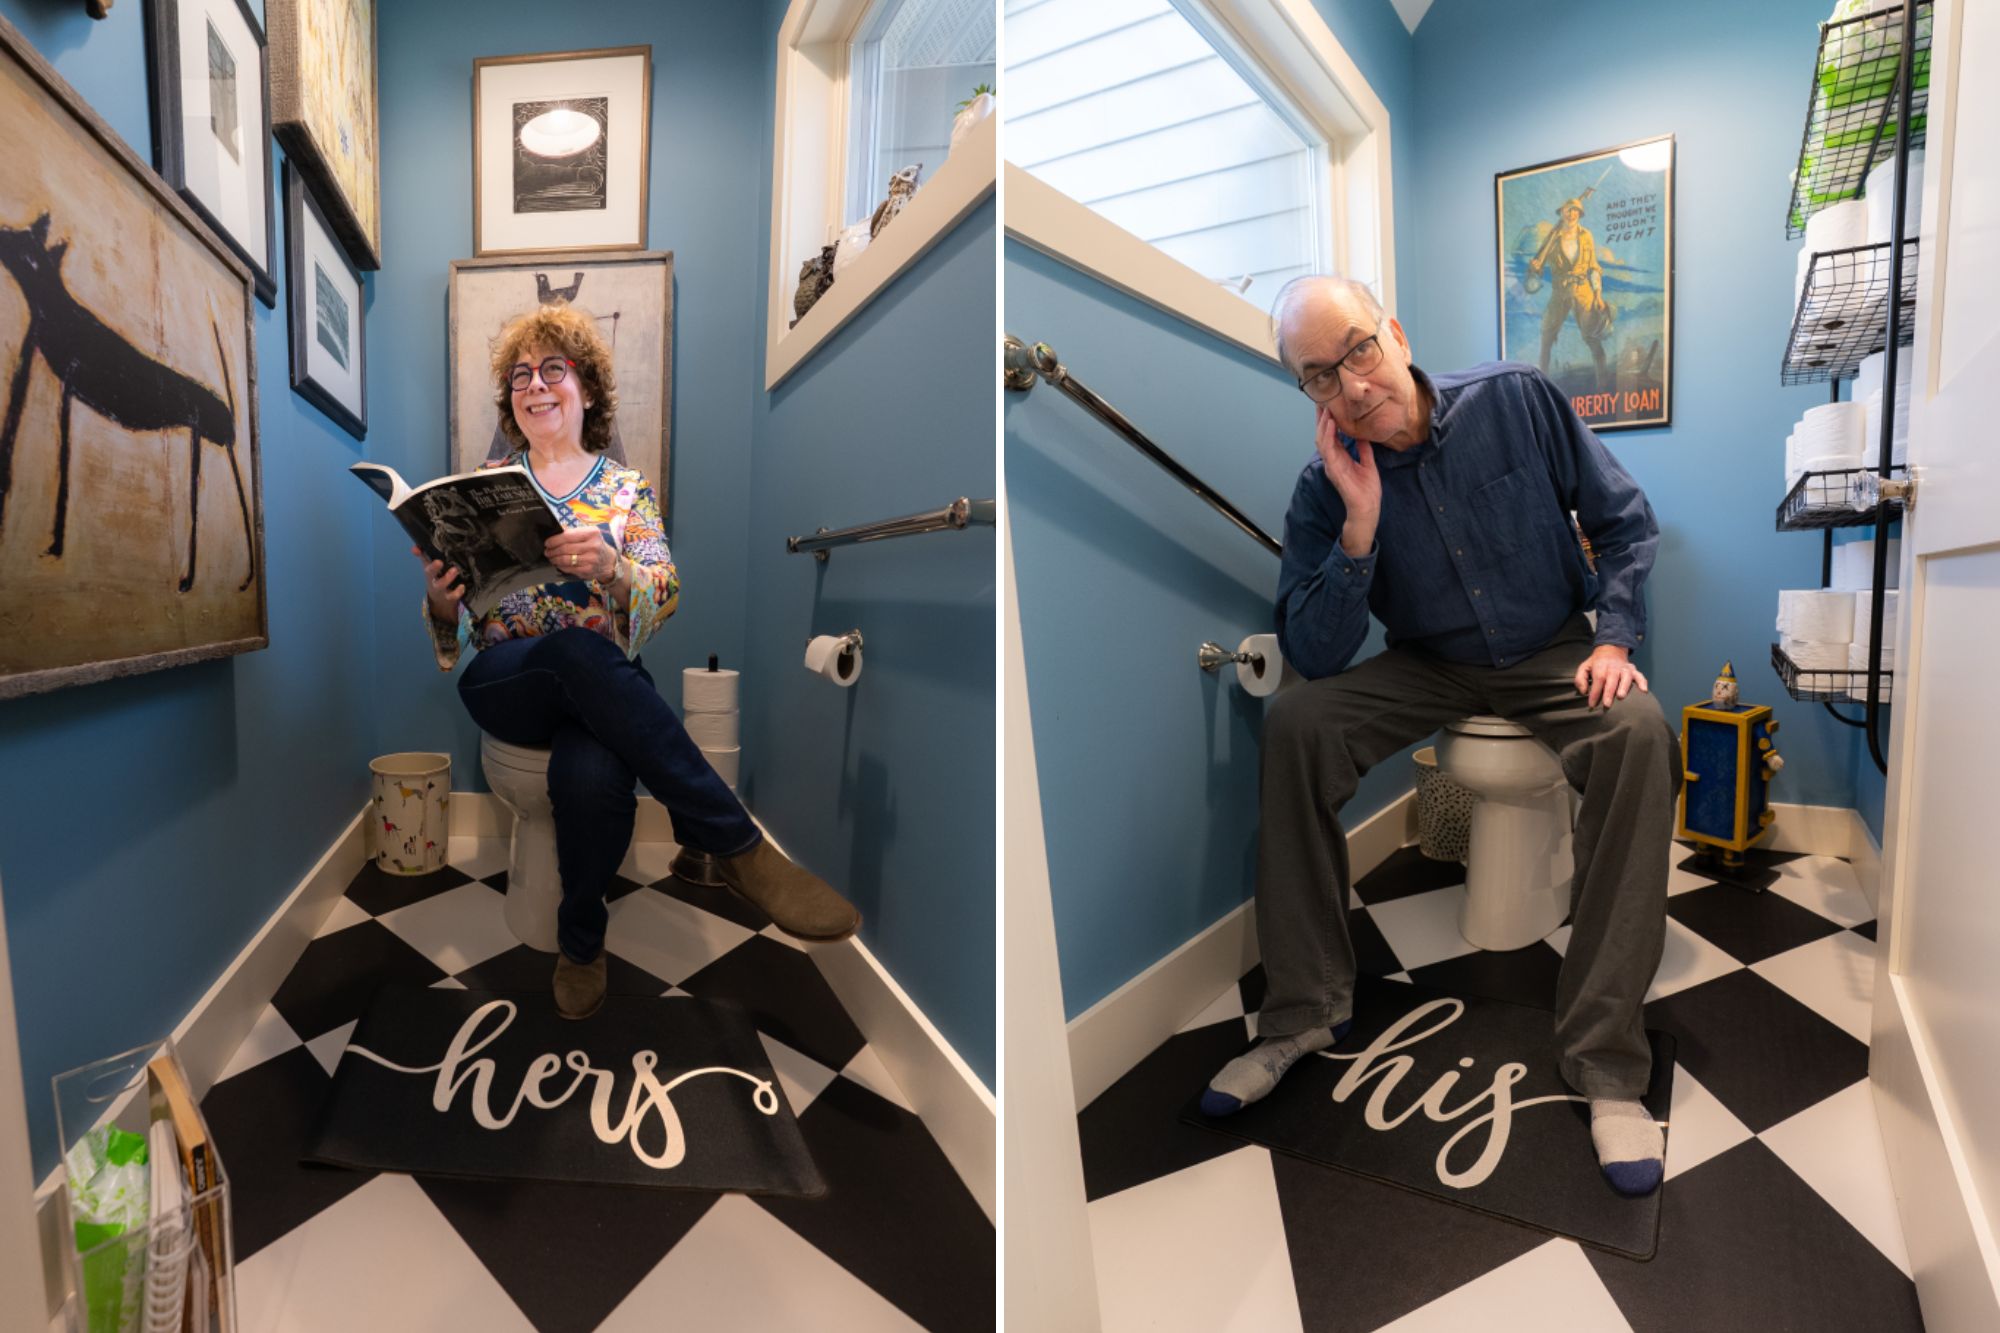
column 1839, row 227
column 1808, row 655
column 716, row 731
column 1868, row 377
column 1263, row 677
column 1815, row 615
column 1880, row 196
column 727, row 763
column 1854, row 568
column 704, row 691
column 1892, row 605
column 828, row 656
column 1857, row 657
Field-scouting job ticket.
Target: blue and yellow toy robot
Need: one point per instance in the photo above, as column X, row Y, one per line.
column 1727, row 761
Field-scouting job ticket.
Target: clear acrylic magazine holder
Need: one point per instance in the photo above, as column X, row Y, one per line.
column 175, row 1272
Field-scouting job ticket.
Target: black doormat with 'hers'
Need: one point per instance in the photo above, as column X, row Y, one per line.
column 674, row 1092
column 1458, row 1098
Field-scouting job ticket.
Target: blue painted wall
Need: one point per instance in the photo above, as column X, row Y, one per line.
column 1148, row 766
column 1730, row 82
column 151, row 825
column 887, row 788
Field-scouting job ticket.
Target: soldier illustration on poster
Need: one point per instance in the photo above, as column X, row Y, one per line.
column 1586, row 279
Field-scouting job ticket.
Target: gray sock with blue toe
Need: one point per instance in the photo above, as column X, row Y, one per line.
column 1631, row 1151
column 1251, row 1075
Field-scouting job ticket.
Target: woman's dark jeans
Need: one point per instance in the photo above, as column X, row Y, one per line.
column 604, row 724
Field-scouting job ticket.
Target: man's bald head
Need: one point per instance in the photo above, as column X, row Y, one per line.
column 1311, row 295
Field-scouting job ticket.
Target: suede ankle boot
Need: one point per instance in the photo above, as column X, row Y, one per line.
column 798, row 902
column 579, row 986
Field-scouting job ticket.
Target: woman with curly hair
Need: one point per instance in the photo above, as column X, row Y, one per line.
column 557, row 665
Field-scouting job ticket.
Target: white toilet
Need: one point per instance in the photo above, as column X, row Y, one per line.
column 519, row 776
column 1521, row 859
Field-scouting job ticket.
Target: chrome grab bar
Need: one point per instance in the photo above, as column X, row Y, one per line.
column 1021, row 364
column 960, row 513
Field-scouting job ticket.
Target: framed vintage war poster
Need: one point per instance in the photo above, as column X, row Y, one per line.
column 1586, row 268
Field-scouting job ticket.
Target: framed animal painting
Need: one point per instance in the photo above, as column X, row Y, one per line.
column 323, row 300
column 131, row 528
column 323, row 110
column 212, row 124
column 631, row 298
column 559, row 150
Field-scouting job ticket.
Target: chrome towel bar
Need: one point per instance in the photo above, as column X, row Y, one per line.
column 960, row 513
column 1022, row 364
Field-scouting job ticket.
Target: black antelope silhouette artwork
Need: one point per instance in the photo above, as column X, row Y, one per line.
column 97, row 367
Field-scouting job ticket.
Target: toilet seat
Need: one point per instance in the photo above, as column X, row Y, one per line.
column 528, row 757
column 1487, row 725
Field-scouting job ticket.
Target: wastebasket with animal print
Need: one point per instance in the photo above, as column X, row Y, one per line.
column 1444, row 811
column 409, row 821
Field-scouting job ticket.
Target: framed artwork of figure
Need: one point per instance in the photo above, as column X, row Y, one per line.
column 212, row 122
column 323, row 110
column 1586, row 267
column 559, row 150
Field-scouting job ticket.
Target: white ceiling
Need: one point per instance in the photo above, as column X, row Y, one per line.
column 1411, row 11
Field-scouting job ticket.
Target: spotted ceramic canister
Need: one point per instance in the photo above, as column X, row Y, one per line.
column 1444, row 811
column 411, row 812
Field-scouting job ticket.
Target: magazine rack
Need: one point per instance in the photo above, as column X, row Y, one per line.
column 109, row 1284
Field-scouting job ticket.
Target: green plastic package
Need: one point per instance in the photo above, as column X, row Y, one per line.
column 108, row 1187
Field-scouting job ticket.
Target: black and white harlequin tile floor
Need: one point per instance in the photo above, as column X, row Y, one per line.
column 1777, row 1211
column 897, row 1242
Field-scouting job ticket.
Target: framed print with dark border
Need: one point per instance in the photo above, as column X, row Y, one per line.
column 628, row 295
column 131, row 511
column 206, row 62
column 323, row 309
column 324, row 111
column 559, row 156
column 1586, row 266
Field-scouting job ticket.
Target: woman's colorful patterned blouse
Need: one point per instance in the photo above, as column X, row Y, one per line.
column 619, row 503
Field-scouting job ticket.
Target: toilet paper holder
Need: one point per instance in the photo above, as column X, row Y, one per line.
column 1213, row 657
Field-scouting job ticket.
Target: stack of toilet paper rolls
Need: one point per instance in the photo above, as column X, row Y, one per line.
column 1828, row 630
column 709, row 712
column 1840, row 227
column 1854, row 567
column 1880, row 197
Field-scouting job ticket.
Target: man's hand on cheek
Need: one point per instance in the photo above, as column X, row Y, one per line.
column 1608, row 675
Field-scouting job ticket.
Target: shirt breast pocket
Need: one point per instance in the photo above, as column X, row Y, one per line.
column 1513, row 512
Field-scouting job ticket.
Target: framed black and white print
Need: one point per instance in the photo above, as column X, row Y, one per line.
column 212, row 123
column 323, row 300
column 559, row 151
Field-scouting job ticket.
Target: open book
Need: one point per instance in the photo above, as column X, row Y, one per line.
column 490, row 523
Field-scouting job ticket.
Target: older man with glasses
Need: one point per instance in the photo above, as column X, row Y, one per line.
column 1443, row 505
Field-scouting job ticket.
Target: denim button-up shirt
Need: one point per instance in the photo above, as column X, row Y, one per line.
column 1475, row 560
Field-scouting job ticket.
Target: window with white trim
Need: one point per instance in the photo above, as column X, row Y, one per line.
column 1134, row 112
column 911, row 65
column 1196, row 153
column 864, row 89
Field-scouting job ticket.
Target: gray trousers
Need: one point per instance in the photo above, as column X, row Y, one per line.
column 1321, row 736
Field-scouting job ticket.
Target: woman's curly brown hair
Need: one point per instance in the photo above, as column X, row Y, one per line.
column 565, row 331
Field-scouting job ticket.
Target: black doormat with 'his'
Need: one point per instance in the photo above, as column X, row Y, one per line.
column 674, row 1092
column 1458, row 1098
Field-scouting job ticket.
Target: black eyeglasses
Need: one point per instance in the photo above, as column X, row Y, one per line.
column 553, row 369
column 1323, row 386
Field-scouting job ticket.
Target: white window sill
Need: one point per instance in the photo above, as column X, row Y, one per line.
column 961, row 184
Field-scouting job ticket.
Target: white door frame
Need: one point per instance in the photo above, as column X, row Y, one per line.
column 1951, row 1245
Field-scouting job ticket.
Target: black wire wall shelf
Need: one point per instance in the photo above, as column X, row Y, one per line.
column 1843, row 314
column 1850, row 111
column 1825, row 685
column 1844, row 499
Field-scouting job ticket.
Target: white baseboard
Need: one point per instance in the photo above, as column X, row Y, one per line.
column 1815, row 830
column 1118, row 1031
